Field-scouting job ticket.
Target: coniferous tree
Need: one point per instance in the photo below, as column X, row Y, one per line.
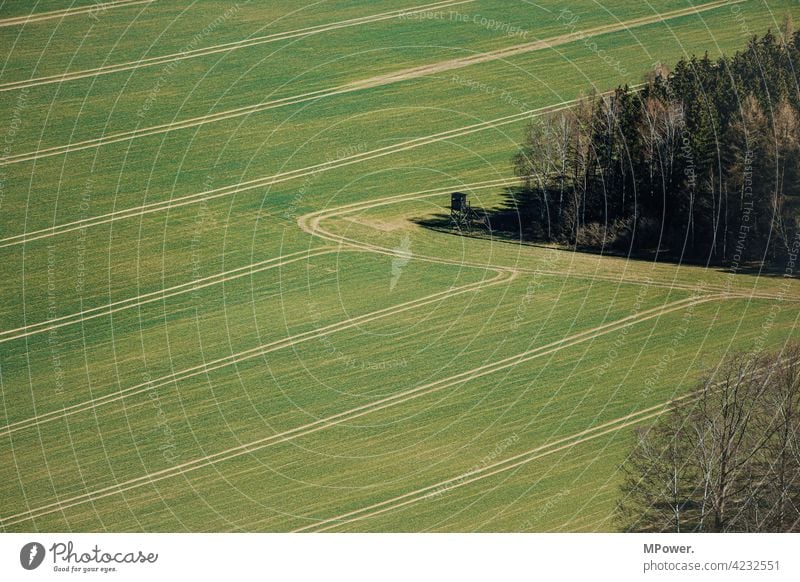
column 703, row 162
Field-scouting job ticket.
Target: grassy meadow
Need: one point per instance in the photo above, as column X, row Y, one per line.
column 219, row 310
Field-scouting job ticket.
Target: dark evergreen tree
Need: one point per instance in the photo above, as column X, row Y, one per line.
column 702, row 162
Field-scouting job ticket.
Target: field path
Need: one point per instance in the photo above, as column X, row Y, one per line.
column 98, row 7
column 442, row 487
column 373, row 82
column 160, row 295
column 225, row 47
column 263, row 182
column 502, row 276
column 353, row 413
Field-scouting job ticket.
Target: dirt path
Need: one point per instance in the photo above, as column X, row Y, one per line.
column 42, row 16
column 206, row 367
column 226, row 47
column 373, row 82
column 226, row 191
column 351, row 414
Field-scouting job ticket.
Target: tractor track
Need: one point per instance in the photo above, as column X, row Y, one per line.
column 509, row 463
column 502, row 466
column 224, row 47
column 239, row 357
column 312, row 222
column 159, row 295
column 98, row 7
column 264, row 182
column 353, row 413
column 370, row 83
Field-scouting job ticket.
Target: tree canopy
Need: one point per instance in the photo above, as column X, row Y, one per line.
column 700, row 163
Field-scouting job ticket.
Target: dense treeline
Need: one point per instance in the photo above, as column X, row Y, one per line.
column 726, row 459
column 702, row 162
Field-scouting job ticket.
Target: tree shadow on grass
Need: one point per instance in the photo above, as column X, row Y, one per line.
column 506, row 224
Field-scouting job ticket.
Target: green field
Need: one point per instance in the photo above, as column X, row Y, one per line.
column 219, row 312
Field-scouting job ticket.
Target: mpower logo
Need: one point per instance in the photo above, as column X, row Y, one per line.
column 31, row 555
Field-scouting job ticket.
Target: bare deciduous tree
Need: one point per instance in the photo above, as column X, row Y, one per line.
column 727, row 458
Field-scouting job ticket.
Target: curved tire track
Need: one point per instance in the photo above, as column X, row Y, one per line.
column 233, row 189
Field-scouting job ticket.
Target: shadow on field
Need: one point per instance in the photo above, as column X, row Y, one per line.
column 505, row 224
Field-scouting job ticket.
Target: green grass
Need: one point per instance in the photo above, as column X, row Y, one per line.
column 130, row 33
column 298, row 136
column 386, row 452
column 222, row 81
column 154, row 169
